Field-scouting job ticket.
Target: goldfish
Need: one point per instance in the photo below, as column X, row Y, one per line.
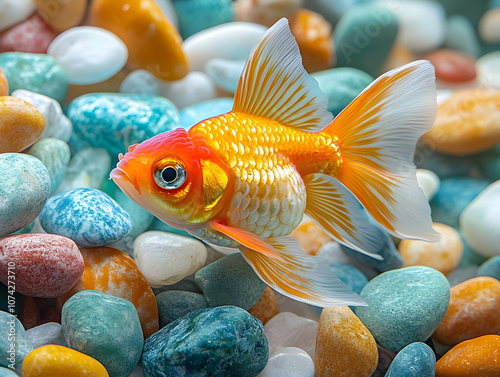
column 246, row 178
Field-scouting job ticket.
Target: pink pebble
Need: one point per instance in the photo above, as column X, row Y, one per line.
column 40, row 265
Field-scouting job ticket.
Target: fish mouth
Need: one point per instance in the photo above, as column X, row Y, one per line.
column 121, row 178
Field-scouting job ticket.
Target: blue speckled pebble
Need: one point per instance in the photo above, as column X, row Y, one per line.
column 222, row 341
column 116, row 121
column 24, row 189
column 230, row 281
column 38, row 73
column 193, row 114
column 404, row 305
column 415, row 360
column 175, row 304
column 87, row 216
column 11, row 327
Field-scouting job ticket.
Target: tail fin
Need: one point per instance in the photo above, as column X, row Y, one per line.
column 378, row 133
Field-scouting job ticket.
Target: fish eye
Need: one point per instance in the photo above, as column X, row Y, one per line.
column 170, row 177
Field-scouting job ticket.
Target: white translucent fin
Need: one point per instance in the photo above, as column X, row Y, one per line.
column 377, row 134
column 275, row 85
column 335, row 209
column 301, row 276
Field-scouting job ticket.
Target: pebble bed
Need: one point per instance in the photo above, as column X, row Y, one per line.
column 93, row 285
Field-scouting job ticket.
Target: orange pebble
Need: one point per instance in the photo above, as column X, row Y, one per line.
column 473, row 311
column 267, row 306
column 30, row 314
column 452, row 66
column 4, row 85
column 153, row 42
column 61, row 15
column 310, row 236
column 113, row 272
column 21, row 124
column 479, row 357
column 314, row 37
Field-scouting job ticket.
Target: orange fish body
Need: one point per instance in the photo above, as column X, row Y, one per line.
column 245, row 179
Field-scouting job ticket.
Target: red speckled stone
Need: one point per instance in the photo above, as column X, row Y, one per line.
column 31, row 35
column 43, row 265
column 452, row 66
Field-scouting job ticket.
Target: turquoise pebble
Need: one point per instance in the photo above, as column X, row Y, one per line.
column 230, row 281
column 349, row 275
column 453, row 196
column 175, row 304
column 55, row 155
column 14, row 342
column 469, row 256
column 490, row 268
column 87, row 216
column 116, row 121
column 38, row 73
column 193, row 114
column 461, row 36
column 364, row 37
column 198, row 15
column 104, row 327
column 341, row 85
column 415, row 360
column 443, row 165
column 222, row 341
column 404, row 305
column 26, row 229
column 6, row 372
column 24, row 189
column 140, row 218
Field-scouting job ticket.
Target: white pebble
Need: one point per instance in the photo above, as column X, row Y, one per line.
column 489, row 26
column 140, row 81
column 47, row 333
column 195, row 87
column 232, row 41
column 56, row 123
column 14, row 11
column 166, row 258
column 488, row 73
column 225, row 73
column 429, row 182
column 289, row 362
column 89, row 54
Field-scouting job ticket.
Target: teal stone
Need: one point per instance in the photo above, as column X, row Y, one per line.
column 404, row 305
column 115, row 121
column 444, row 166
column 38, row 73
column 186, row 284
column 490, row 268
column 24, row 189
column 230, row 281
column 415, row 360
column 6, row 372
column 461, row 36
column 469, row 256
column 14, row 342
column 104, row 327
column 453, row 196
column 341, row 85
column 349, row 275
column 55, row 155
column 27, row 229
column 157, row 224
column 87, row 216
column 193, row 114
column 175, row 304
column 140, row 218
column 472, row 10
column 222, row 341
column 364, row 37
column 198, row 15
column 488, row 163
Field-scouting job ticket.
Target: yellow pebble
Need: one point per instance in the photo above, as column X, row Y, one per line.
column 59, row 361
column 4, row 85
column 344, row 346
column 310, row 236
column 443, row 255
column 61, row 15
column 21, row 124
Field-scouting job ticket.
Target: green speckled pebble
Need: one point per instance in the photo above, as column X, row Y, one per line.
column 175, row 304
column 38, row 73
column 404, row 305
column 24, row 189
column 12, row 333
column 104, row 327
column 222, row 341
column 230, row 281
column 415, row 360
column 55, row 155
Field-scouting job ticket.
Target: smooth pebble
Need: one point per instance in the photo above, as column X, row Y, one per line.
column 193, row 114
column 195, row 87
column 461, row 36
column 415, row 360
column 14, row 342
column 429, row 182
column 140, row 81
column 61, row 14
column 225, row 73
column 289, row 362
column 267, row 306
column 265, row 12
column 487, row 71
column 14, row 11
column 452, row 66
column 491, row 267
column 47, row 333
column 4, row 85
column 488, row 28
column 175, row 304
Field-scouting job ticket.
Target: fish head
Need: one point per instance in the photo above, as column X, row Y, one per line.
column 175, row 177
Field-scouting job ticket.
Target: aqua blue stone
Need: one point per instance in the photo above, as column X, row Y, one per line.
column 461, row 36
column 488, row 163
column 55, row 155
column 24, row 189
column 38, row 73
column 230, row 281
column 364, row 37
column 444, row 166
column 140, row 218
column 193, row 114
column 341, row 85
column 87, row 216
column 472, row 10
column 222, row 341
column 198, row 15
column 116, row 121
column 404, row 305
column 6, row 372
column 104, row 327
column 490, row 268
column 415, row 360
column 14, row 342
column 175, row 304
column 349, row 275
column 453, row 196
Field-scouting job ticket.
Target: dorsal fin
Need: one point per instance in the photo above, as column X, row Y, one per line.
column 275, row 85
